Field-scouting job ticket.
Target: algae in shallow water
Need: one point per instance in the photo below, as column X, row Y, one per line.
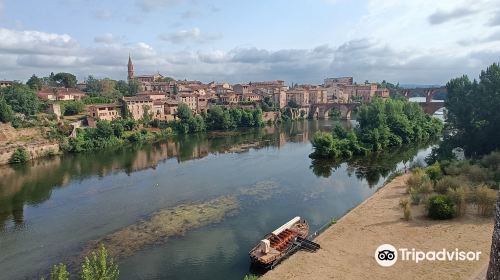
column 178, row 220
column 262, row 190
column 165, row 223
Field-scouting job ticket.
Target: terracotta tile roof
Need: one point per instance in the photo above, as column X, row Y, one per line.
column 115, row 105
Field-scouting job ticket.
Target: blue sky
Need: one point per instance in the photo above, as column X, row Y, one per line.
column 420, row 41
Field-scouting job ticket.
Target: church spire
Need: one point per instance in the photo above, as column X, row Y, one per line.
column 130, row 68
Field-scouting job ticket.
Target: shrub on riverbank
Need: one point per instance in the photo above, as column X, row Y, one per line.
column 463, row 183
column 98, row 265
column 112, row 134
column 441, row 207
column 405, row 205
column 19, row 156
column 382, row 124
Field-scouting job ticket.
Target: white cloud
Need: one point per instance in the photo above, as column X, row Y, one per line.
column 13, row 41
column 394, row 40
column 188, row 36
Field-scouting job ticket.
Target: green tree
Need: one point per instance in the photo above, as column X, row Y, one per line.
column 122, row 87
column 19, row 156
column 66, row 80
column 99, row 266
column 93, row 87
column 184, row 112
column 218, row 119
column 118, row 128
column 21, row 99
column 108, row 87
column 473, row 112
column 382, row 124
column 104, row 129
column 73, row 107
column 133, row 87
column 35, row 83
column 6, row 113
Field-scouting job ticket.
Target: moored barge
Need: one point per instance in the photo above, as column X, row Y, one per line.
column 280, row 243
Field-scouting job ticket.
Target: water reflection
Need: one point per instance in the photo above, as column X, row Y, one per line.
column 371, row 168
column 33, row 184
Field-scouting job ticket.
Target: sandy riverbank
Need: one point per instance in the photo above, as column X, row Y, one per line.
column 349, row 246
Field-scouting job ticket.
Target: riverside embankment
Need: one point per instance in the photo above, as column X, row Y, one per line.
column 348, row 247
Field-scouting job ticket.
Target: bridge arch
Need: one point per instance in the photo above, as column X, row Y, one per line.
column 428, row 93
column 321, row 111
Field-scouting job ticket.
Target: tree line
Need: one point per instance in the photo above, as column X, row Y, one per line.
column 382, row 124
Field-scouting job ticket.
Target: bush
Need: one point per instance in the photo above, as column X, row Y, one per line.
column 405, row 205
column 458, row 196
column 19, row 156
column 447, row 182
column 415, row 180
column 425, row 186
column 434, row 172
column 251, row 277
column 59, row 272
column 485, row 198
column 415, row 196
column 441, row 207
column 99, row 266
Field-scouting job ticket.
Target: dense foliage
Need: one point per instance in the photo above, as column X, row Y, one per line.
column 473, row 113
column 441, row 207
column 382, row 124
column 70, row 108
column 21, row 99
column 216, row 118
column 6, row 113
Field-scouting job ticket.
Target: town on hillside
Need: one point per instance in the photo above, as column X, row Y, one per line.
column 160, row 96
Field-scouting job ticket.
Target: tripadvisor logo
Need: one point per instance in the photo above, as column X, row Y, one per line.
column 386, row 255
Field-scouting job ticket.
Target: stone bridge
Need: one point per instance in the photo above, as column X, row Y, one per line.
column 320, row 111
column 429, row 106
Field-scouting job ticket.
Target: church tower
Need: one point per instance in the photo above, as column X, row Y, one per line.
column 130, row 68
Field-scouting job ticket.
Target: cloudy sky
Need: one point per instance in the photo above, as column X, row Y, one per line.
column 417, row 41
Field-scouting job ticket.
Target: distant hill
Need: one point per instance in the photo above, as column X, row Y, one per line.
column 409, row 86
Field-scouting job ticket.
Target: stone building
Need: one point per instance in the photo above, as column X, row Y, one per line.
column 61, row 94
column 298, row 95
column 138, row 105
column 4, row 84
column 106, row 112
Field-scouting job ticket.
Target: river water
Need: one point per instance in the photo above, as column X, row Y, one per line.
column 187, row 208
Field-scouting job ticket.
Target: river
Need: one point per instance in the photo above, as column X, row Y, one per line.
column 187, row 208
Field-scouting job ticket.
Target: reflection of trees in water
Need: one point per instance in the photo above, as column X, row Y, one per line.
column 32, row 184
column 372, row 167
